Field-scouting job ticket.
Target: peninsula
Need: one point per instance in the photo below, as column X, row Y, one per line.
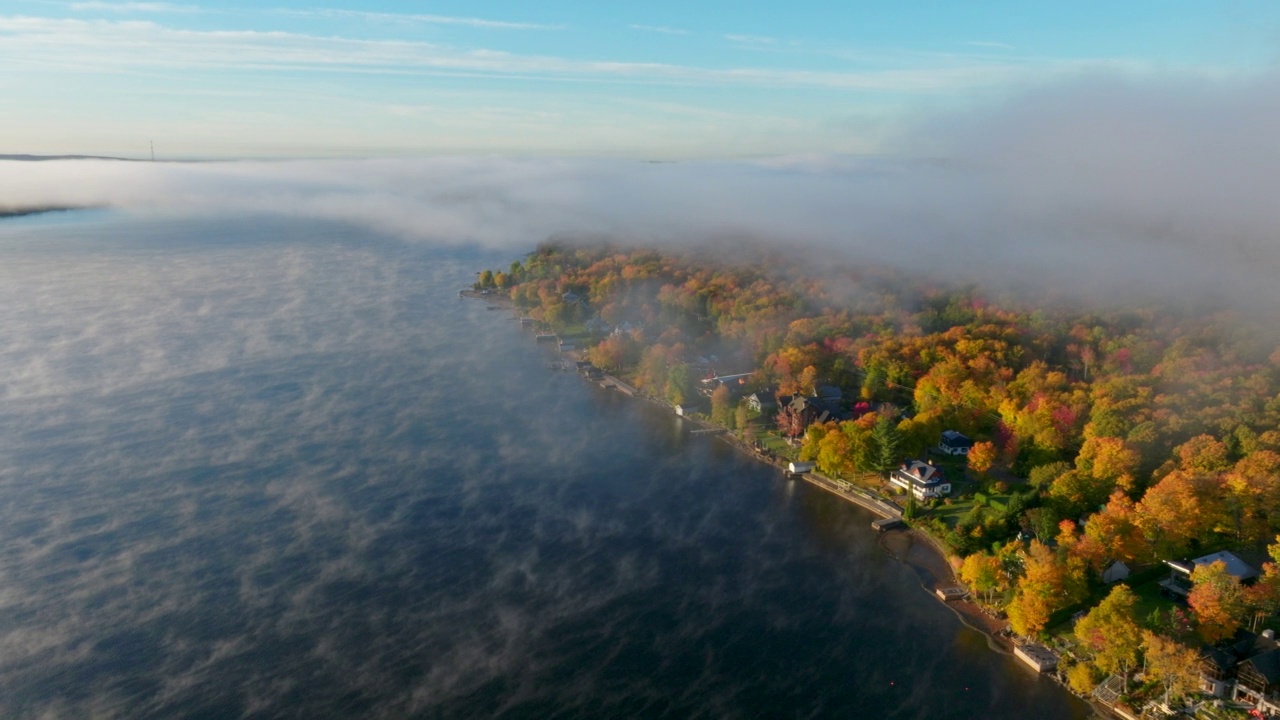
column 1074, row 466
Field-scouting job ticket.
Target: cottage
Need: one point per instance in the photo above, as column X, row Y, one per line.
column 922, row 479
column 953, row 443
column 1179, row 582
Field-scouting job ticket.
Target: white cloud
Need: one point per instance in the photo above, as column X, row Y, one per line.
column 133, row 7
column 751, row 39
column 416, row 18
column 660, row 29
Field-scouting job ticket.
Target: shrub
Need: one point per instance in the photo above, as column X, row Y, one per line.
column 1082, row 678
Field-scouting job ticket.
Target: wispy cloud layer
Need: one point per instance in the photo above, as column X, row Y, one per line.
column 1097, row 185
column 660, row 29
column 105, row 45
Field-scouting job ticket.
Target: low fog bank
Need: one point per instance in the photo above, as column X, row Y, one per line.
column 1100, row 188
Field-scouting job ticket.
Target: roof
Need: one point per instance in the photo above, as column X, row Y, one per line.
column 1242, row 647
column 919, row 472
column 955, row 439
column 1267, row 665
column 1235, row 566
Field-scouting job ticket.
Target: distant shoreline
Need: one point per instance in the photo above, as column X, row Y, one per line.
column 43, row 210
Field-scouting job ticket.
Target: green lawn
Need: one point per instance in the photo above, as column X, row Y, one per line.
column 771, row 441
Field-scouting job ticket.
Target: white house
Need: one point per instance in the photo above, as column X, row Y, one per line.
column 922, row 479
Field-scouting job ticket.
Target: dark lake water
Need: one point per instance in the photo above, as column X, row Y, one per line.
column 269, row 468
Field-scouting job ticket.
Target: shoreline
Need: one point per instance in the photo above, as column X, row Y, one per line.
column 910, row 546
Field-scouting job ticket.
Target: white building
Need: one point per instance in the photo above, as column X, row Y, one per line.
column 922, row 479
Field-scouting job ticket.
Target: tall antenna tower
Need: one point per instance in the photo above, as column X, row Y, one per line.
column 153, row 150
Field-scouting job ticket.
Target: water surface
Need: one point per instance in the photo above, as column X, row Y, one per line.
column 263, row 468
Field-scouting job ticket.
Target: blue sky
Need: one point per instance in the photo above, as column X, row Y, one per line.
column 653, row 80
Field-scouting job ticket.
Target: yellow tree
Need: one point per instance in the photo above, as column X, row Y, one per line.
column 1180, row 508
column 1048, row 584
column 983, row 573
column 1217, row 600
column 1172, row 664
column 1109, row 630
column 1253, row 495
column 1109, row 458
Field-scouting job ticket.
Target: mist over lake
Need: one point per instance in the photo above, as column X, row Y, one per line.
column 276, row 468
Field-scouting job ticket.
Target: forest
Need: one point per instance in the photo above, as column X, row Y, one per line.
column 1102, row 434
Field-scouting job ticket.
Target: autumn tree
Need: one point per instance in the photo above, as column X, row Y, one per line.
column 1082, row 677
column 1112, row 633
column 1108, row 459
column 1114, row 533
column 1046, row 586
column 1179, row 509
column 982, row 456
column 1217, row 600
column 1174, row 665
column 982, row 573
column 742, row 418
column 721, row 406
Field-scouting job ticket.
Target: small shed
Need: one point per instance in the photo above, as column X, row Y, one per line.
column 1115, row 572
column 683, row 410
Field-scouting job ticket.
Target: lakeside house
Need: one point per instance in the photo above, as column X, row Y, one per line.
column 763, row 400
column 1245, row 669
column 801, row 411
column 924, row 480
column 1178, row 584
column 953, row 443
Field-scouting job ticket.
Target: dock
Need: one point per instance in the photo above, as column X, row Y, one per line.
column 888, row 523
column 1039, row 657
column 947, row 594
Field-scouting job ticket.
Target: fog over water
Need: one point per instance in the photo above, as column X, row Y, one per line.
column 272, row 467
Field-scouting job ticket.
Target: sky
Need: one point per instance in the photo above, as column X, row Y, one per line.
column 654, row 80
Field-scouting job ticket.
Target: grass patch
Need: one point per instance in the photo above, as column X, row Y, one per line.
column 1149, row 600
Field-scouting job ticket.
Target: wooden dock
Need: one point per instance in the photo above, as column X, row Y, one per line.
column 888, row 523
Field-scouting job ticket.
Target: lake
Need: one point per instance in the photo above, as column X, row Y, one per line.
column 260, row 468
